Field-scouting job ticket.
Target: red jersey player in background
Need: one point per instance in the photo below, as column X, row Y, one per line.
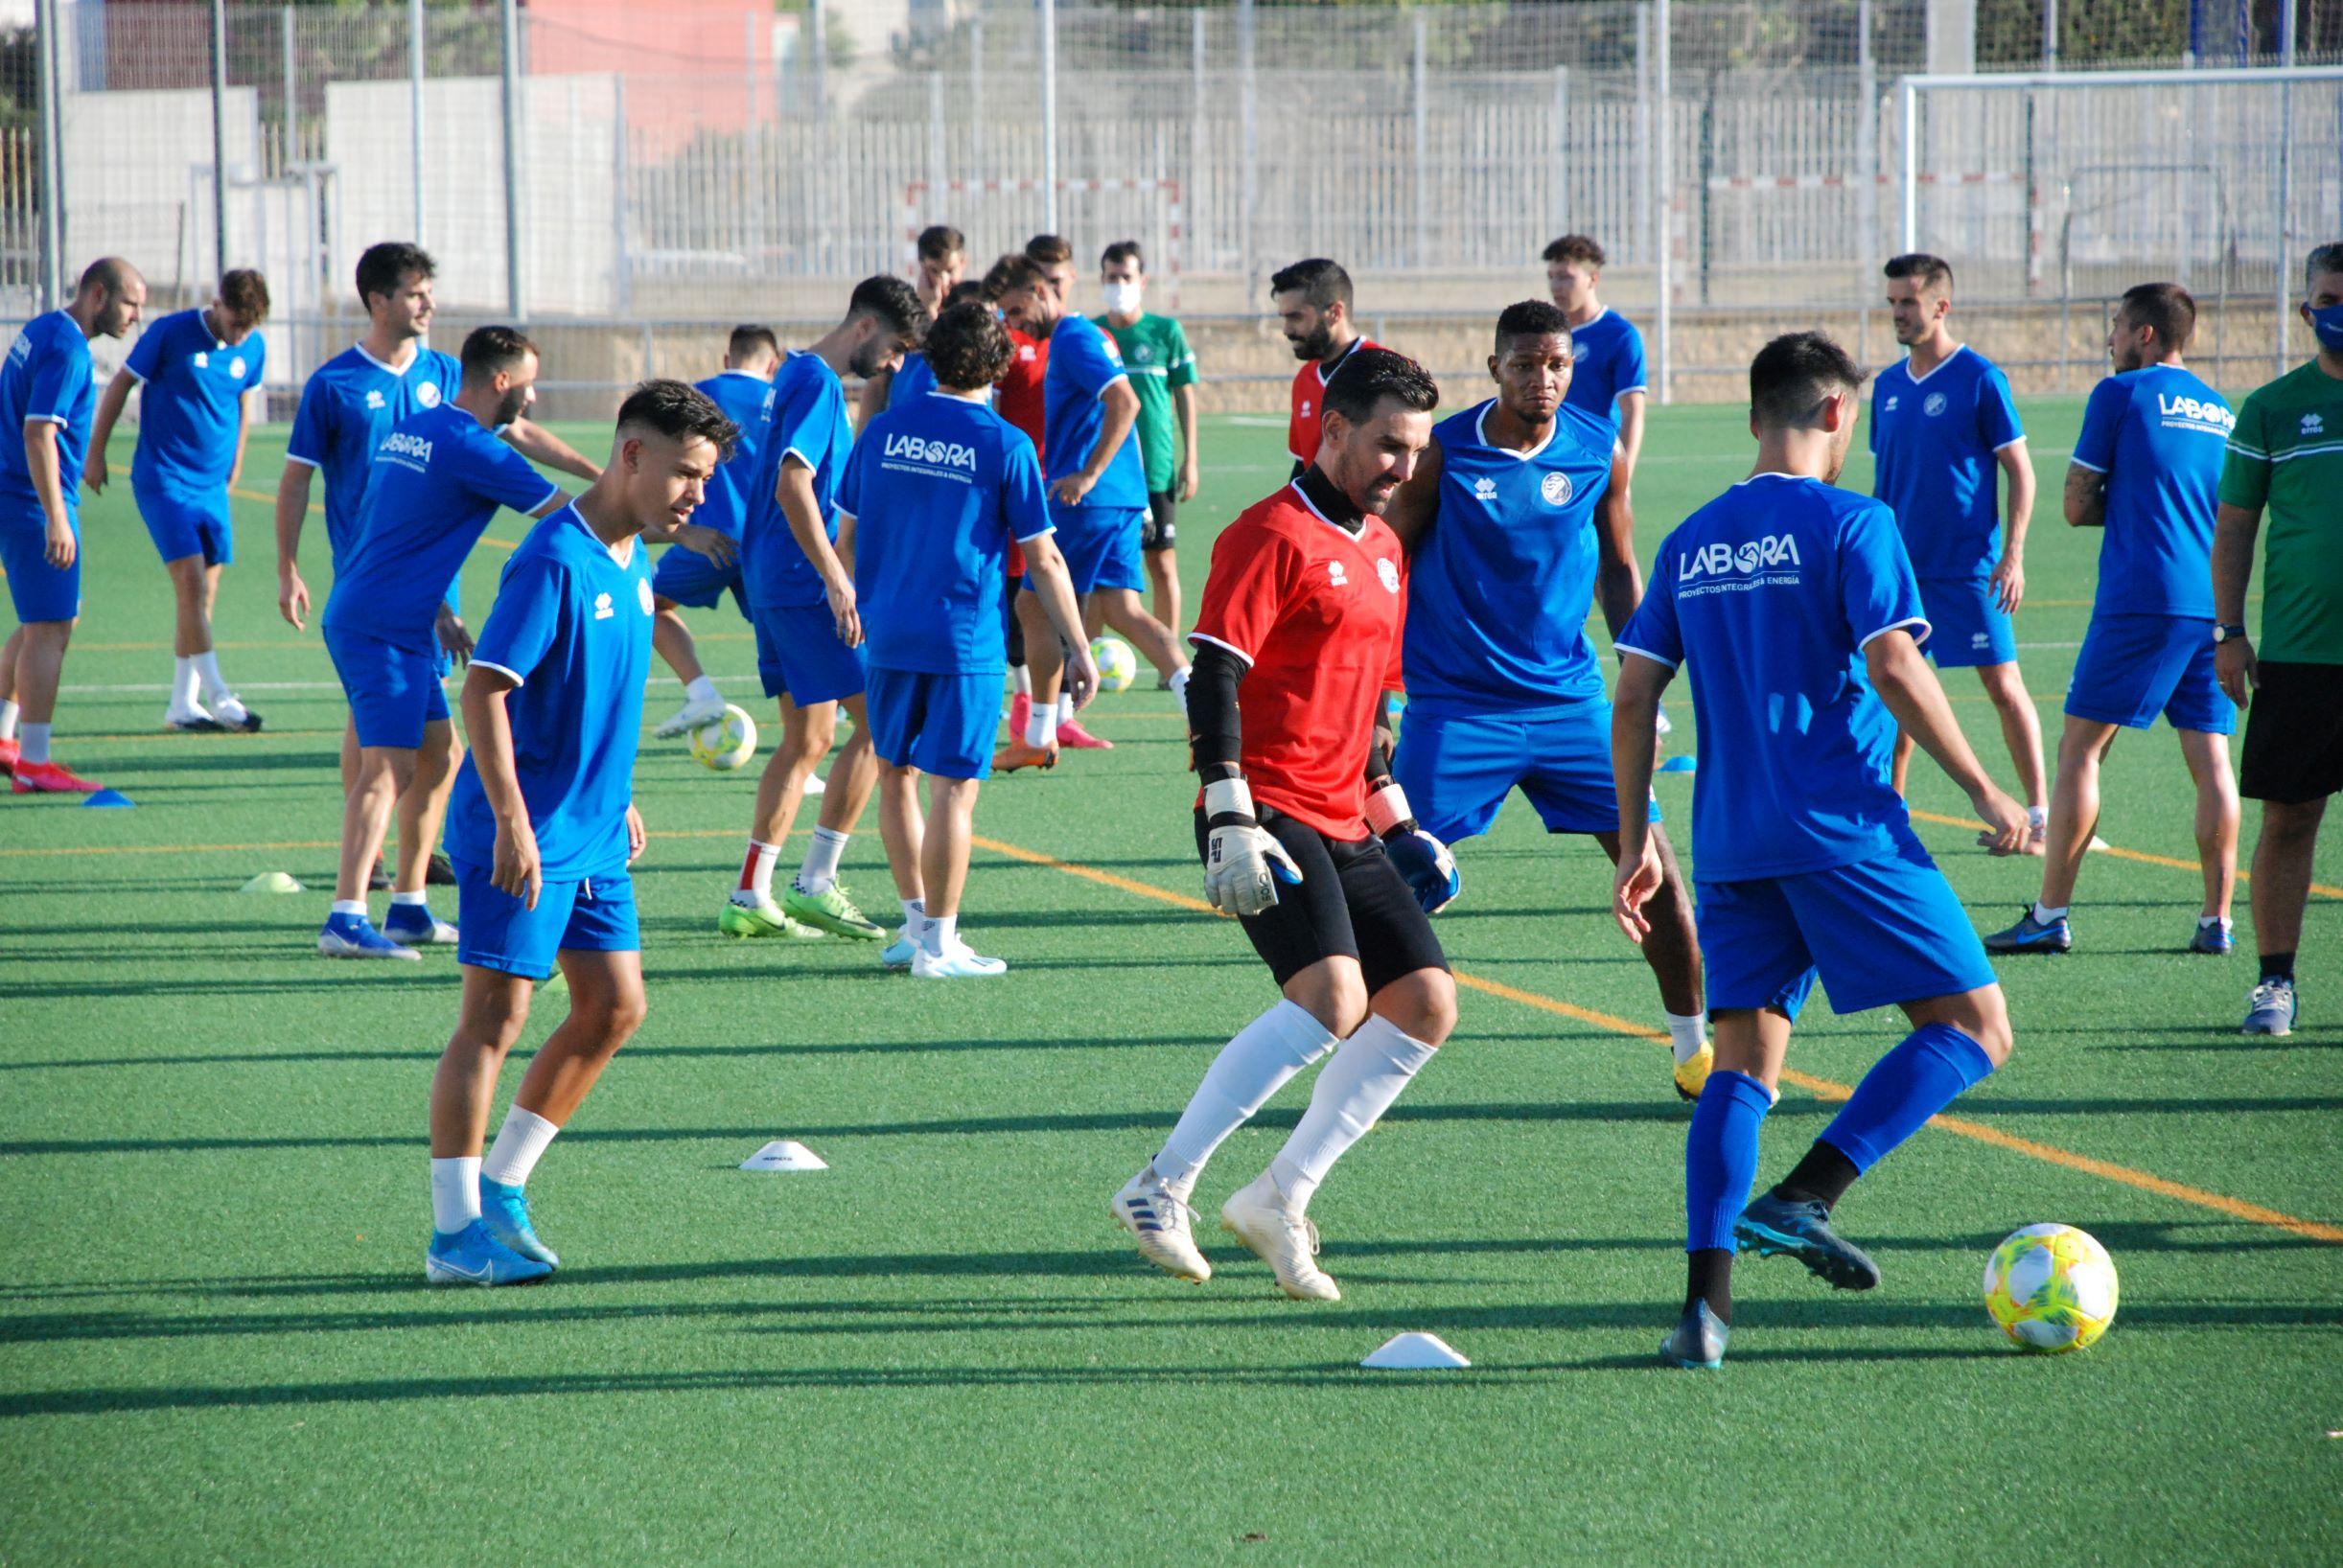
column 1313, row 306
column 1016, row 397
column 1305, row 837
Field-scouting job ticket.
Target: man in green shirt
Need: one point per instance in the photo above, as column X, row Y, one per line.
column 1162, row 370
column 2286, row 459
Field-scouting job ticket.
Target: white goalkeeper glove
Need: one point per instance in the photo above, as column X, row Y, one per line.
column 1242, row 863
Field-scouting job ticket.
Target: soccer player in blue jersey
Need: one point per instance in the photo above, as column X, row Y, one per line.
column 939, row 258
column 46, row 396
column 1098, row 502
column 1794, row 606
column 543, row 827
column 199, row 371
column 1516, row 522
column 808, row 634
column 1942, row 422
column 935, row 492
column 2146, row 469
column 1606, row 377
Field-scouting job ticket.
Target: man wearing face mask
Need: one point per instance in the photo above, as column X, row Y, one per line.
column 1162, row 370
column 2286, row 460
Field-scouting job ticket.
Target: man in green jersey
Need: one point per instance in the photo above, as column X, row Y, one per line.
column 2286, row 459
column 1156, row 356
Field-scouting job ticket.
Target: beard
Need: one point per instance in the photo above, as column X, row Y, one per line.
column 869, row 360
column 1316, row 346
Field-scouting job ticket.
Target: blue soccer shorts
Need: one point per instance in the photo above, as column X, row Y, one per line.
column 2134, row 667
column 1100, row 545
column 689, row 578
column 182, row 525
column 799, row 654
column 1965, row 627
column 39, row 591
column 1881, row 930
column 1457, row 768
column 393, row 691
column 943, row 724
column 497, row 930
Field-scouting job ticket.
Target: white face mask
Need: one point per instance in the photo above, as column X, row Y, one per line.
column 1123, row 298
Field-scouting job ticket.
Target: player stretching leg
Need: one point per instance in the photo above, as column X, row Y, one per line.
column 202, row 373
column 808, row 634
column 935, row 490
column 46, row 395
column 1794, row 606
column 1162, row 367
column 1305, row 837
column 1941, row 421
column 2146, row 469
column 1518, row 521
column 543, row 827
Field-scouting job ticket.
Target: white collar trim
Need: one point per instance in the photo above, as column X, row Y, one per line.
column 1958, row 349
column 1480, row 433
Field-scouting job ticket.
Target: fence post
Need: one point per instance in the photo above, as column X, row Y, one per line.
column 1248, row 114
column 2286, row 185
column 1049, row 115
column 976, row 98
column 622, row 261
column 219, row 139
column 415, row 108
column 1663, row 155
column 937, row 175
column 515, row 299
column 1562, row 147
column 1868, row 172
column 2050, row 32
column 288, row 152
column 1648, row 226
column 1423, row 145
column 1909, row 97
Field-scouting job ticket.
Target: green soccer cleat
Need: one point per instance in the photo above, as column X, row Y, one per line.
column 766, row 919
column 832, row 910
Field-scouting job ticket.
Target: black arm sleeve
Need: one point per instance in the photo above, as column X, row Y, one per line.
column 1378, row 764
column 1214, row 735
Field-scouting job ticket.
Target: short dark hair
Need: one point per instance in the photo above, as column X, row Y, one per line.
column 1368, row 376
column 243, row 291
column 679, row 411
column 748, row 337
column 1011, row 272
column 893, row 303
column 1048, row 249
column 111, row 273
column 1321, row 280
column 967, row 347
column 1930, row 272
column 1576, row 248
column 938, row 241
column 382, row 265
column 1793, row 374
column 2166, row 306
column 488, row 350
column 1533, row 318
column 1124, row 250
column 2323, row 259
column 966, row 288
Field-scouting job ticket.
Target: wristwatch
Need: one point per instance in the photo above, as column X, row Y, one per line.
column 2222, row 634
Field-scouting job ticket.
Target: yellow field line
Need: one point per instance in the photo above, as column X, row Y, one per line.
column 2122, row 854
column 316, row 843
column 1821, row 1088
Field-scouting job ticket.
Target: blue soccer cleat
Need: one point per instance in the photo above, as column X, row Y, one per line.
column 1697, row 1344
column 414, row 925
column 896, row 955
column 2270, row 1010
column 472, row 1257
column 354, row 936
column 1772, row 1225
column 505, row 1211
column 2032, row 935
column 2214, row 938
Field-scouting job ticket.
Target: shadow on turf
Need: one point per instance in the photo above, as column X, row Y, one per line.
column 429, row 1050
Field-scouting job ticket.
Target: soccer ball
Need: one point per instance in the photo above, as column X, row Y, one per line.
column 2051, row 1288
column 1117, row 664
column 724, row 743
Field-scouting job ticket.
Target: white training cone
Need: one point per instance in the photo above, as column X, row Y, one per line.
column 1415, row 1353
column 784, row 1154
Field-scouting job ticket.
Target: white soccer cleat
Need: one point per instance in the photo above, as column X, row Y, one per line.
column 815, row 789
column 694, row 713
column 1162, row 1224
column 959, row 961
column 1262, row 1217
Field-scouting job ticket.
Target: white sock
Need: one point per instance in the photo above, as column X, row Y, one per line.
column 1350, row 1095
column 1065, row 710
column 1261, row 1060
column 518, row 1144
column 915, row 920
column 354, row 906
column 1179, row 684
column 455, row 1193
column 701, row 689
column 760, row 890
column 186, row 685
column 1041, row 726
column 2210, row 920
column 936, row 935
column 419, row 899
column 2044, row 914
column 822, row 857
column 9, row 713
column 34, row 747
column 1687, row 1033
column 1021, row 681
column 207, row 666
column 2038, row 817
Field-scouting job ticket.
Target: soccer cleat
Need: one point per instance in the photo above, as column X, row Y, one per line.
column 505, row 1211
column 2270, row 1010
column 1697, row 1344
column 959, row 961
column 1281, row 1235
column 765, row 918
column 1162, row 1224
column 474, row 1256
column 229, row 712
column 414, row 925
column 1018, row 754
column 192, row 721
column 896, row 955
column 378, row 880
column 1692, row 1076
column 9, row 751
column 49, row 778
column 689, row 717
column 354, row 936
column 1072, row 734
column 2032, row 935
column 2215, row 938
column 1772, row 1225
column 439, row 871
column 832, row 910
column 815, row 789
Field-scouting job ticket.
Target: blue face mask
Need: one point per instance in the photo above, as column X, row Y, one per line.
column 2328, row 323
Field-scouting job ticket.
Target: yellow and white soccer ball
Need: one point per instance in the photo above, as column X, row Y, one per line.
column 726, row 743
column 2051, row 1288
column 1117, row 665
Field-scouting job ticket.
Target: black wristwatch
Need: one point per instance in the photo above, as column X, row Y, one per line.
column 2223, row 634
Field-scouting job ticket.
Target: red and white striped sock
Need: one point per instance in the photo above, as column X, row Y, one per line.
column 756, row 874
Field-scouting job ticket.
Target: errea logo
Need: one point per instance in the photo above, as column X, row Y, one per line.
column 1484, row 490
column 602, row 608
column 2313, row 425
column 1721, row 560
column 1889, row 407
column 374, row 400
column 1337, row 575
column 204, row 359
column 1305, row 408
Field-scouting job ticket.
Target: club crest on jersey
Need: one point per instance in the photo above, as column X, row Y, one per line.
column 427, row 395
column 1484, row 490
column 1745, row 559
column 1387, row 572
column 1933, row 404
column 603, row 609
column 1555, row 487
column 642, row 593
column 236, row 367
column 1336, row 574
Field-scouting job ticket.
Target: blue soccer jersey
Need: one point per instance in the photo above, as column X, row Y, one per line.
column 1769, row 594
column 572, row 624
column 349, row 405
column 938, row 488
column 1607, row 364
column 1934, row 441
column 46, row 379
column 2159, row 435
column 439, row 478
column 191, row 403
column 916, row 377
column 809, row 422
column 1498, row 590
column 747, row 401
column 1083, row 362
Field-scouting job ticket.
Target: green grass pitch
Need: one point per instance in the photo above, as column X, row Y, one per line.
column 215, row 1344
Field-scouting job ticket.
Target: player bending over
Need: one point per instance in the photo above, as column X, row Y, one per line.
column 200, row 371
column 935, row 492
column 1517, row 521
column 1794, row 606
column 1305, row 837
column 1162, row 367
column 1313, row 301
column 543, row 827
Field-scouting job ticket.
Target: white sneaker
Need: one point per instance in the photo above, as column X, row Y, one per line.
column 1162, row 1223
column 815, row 789
column 229, row 709
column 896, row 955
column 1262, row 1217
column 959, row 961
column 694, row 713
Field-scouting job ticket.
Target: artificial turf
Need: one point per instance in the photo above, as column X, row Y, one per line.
column 215, row 1344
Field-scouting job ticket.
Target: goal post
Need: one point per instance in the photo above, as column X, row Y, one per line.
column 1006, row 211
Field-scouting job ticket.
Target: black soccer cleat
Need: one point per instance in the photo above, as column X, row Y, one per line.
column 1772, row 1225
column 1697, row 1344
column 439, row 873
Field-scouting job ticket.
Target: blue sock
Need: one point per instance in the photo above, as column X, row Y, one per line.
column 1720, row 1157
column 1923, row 1075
